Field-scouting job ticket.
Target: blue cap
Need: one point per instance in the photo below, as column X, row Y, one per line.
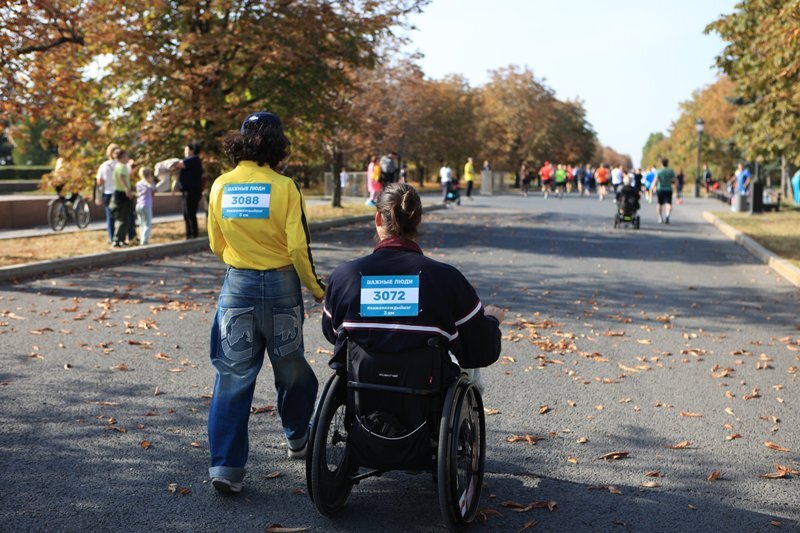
column 256, row 121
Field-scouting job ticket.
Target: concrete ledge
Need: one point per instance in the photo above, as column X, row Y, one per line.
column 775, row 262
column 89, row 261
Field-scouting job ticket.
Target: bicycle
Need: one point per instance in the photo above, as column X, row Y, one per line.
column 62, row 209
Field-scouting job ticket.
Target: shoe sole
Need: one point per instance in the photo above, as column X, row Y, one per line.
column 225, row 488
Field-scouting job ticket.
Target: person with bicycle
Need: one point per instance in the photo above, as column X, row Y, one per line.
column 122, row 202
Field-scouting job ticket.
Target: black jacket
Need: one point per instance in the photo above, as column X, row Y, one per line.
column 449, row 308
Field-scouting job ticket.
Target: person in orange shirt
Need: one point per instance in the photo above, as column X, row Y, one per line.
column 546, row 174
column 602, row 176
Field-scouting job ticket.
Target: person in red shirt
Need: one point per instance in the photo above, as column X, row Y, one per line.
column 546, row 173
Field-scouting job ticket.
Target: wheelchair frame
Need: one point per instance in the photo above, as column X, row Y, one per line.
column 331, row 471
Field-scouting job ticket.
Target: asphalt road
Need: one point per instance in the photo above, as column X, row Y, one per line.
column 611, row 335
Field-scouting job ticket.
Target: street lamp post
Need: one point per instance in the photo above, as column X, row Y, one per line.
column 699, row 125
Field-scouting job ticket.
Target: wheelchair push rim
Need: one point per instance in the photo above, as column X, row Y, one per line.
column 462, row 447
column 331, row 479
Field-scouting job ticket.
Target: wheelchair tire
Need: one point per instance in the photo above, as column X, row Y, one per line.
column 331, row 475
column 311, row 432
column 57, row 215
column 83, row 214
column 461, row 454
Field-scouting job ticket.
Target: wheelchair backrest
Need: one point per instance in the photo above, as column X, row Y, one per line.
column 402, row 384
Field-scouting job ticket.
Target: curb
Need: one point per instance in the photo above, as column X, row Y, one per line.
column 153, row 251
column 775, row 262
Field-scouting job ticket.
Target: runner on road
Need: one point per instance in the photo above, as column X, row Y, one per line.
column 561, row 181
column 469, row 176
column 257, row 226
column 601, row 175
column 546, row 174
column 662, row 186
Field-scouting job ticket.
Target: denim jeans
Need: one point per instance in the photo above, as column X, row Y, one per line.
column 145, row 217
column 257, row 311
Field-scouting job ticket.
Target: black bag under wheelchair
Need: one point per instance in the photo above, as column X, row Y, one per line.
column 412, row 411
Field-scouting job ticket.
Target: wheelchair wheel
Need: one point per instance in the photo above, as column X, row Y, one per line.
column 330, row 474
column 311, row 433
column 461, row 454
column 82, row 213
column 57, row 215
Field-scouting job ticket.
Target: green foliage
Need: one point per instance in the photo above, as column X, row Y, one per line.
column 762, row 57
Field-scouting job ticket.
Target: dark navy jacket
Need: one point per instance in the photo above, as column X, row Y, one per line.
column 448, row 308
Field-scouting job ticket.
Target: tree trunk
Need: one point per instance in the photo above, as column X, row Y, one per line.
column 336, row 170
column 784, row 178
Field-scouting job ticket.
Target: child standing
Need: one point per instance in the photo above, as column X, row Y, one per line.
column 144, row 203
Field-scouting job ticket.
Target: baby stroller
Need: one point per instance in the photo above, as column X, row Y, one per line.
column 627, row 207
column 453, row 194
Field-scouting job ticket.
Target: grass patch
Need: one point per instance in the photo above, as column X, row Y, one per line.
column 778, row 232
column 62, row 245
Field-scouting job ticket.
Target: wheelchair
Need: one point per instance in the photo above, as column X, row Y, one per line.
column 413, row 411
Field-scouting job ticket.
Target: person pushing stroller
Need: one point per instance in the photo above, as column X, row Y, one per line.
column 627, row 204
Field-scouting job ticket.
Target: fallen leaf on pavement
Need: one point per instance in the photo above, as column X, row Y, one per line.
column 610, row 488
column 273, row 475
column 277, row 528
column 528, row 525
column 680, row 446
column 614, row 456
column 654, row 473
column 484, row 514
column 783, row 468
column 122, row 367
column 490, row 412
column 713, row 476
column 525, row 507
column 773, row 446
column 691, row 415
column 649, row 484
column 544, row 409
column 734, row 436
column 582, row 440
column 530, row 439
column 172, row 488
column 145, row 444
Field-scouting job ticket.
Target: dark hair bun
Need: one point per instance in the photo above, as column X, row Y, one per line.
column 401, row 210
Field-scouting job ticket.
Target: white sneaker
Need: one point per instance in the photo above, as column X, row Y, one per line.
column 297, row 454
column 226, row 486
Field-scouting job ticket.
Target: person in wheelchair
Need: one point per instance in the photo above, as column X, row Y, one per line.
column 404, row 327
column 439, row 301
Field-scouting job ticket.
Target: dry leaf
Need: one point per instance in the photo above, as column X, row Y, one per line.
column 277, row 528
column 490, row 412
column 525, row 507
column 122, row 367
column 544, row 409
column 528, row 525
column 783, row 468
column 530, row 439
column 265, row 409
column 273, row 475
column 582, row 440
column 614, row 456
column 184, row 491
column 730, row 411
column 691, row 415
column 195, row 444
column 649, row 484
column 776, row 523
column 654, row 473
column 776, row 447
column 644, row 341
column 145, row 444
column 573, row 460
column 734, row 436
column 610, row 488
column 713, row 476
column 774, row 475
column 680, row 446
column 172, row 487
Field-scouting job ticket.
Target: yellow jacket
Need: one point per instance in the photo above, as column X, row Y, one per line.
column 257, row 221
column 469, row 171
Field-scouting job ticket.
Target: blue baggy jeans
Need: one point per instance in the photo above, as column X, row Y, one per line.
column 257, row 311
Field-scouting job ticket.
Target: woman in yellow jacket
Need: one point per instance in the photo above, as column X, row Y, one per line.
column 257, row 226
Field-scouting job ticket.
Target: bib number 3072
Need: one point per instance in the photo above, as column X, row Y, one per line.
column 389, row 295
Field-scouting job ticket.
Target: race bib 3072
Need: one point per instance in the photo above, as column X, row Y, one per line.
column 389, row 295
column 246, row 200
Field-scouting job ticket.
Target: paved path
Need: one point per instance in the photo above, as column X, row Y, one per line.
column 616, row 332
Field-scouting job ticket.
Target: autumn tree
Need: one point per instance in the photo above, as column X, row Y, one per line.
column 719, row 149
column 154, row 74
column 762, row 58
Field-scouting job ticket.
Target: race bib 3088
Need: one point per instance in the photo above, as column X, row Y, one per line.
column 246, row 200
